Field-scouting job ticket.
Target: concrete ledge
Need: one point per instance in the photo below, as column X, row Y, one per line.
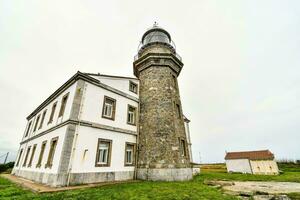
column 40, row 188
column 165, row 174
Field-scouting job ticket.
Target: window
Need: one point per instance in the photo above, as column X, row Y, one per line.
column 28, row 128
column 133, row 87
column 174, row 81
column 52, row 112
column 129, row 154
column 131, row 115
column 63, row 105
column 36, row 123
column 26, row 157
column 109, row 108
column 41, row 154
column 178, row 110
column 103, row 153
column 43, row 117
column 182, row 147
column 19, row 158
column 32, row 155
column 53, row 145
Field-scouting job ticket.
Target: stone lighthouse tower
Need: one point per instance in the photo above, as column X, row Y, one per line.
column 162, row 145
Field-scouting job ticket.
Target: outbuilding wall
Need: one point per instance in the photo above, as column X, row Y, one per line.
column 264, row 167
column 238, row 165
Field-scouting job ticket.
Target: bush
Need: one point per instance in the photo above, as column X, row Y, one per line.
column 6, row 167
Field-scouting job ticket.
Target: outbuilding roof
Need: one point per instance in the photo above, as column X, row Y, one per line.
column 251, row 155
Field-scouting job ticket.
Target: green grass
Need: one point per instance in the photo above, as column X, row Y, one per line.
column 195, row 189
column 140, row 191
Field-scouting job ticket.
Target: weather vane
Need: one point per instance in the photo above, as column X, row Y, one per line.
column 155, row 24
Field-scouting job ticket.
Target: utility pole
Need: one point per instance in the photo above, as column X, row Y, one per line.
column 6, row 157
column 199, row 157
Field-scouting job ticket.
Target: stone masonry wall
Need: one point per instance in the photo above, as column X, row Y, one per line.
column 160, row 126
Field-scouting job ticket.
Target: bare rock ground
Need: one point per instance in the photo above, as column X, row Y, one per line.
column 258, row 190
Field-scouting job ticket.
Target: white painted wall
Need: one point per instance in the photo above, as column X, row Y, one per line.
column 121, row 84
column 87, row 139
column 93, row 104
column 60, row 132
column 56, row 120
column 238, row 165
column 188, row 137
column 264, row 167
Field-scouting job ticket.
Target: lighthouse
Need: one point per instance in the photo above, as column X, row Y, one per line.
column 162, row 152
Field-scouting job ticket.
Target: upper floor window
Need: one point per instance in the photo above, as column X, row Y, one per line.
column 36, row 123
column 53, row 145
column 52, row 113
column 103, row 153
column 133, row 87
column 28, row 128
column 63, row 105
column 178, row 110
column 129, row 154
column 43, row 118
column 131, row 115
column 182, row 147
column 109, row 108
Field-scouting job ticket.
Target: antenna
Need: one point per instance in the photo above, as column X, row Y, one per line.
column 155, row 24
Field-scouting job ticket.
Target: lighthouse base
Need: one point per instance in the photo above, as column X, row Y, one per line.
column 165, row 174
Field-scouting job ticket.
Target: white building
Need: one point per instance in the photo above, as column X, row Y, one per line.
column 85, row 132
column 251, row 162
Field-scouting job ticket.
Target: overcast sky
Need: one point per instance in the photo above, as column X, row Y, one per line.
column 240, row 85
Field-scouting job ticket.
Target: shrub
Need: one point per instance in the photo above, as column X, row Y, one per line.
column 6, row 167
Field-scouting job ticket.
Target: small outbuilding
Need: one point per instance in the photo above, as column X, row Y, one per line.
column 251, row 162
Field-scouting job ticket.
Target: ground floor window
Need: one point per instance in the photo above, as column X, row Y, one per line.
column 129, row 154
column 103, row 154
column 32, row 155
column 26, row 156
column 19, row 158
column 53, row 145
column 182, row 147
column 41, row 154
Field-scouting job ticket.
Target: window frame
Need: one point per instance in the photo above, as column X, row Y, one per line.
column 28, row 128
column 97, row 164
column 64, row 101
column 135, row 115
column 19, row 158
column 51, row 152
column 136, row 86
column 182, row 148
column 53, row 109
column 41, row 155
column 113, row 107
column 42, row 119
column 133, row 154
column 26, row 156
column 36, row 122
column 32, row 155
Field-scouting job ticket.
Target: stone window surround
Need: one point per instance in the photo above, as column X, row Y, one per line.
column 52, row 112
column 181, row 139
column 113, row 110
column 64, row 101
column 43, row 147
column 19, row 158
column 51, row 152
column 32, row 155
column 43, row 118
column 135, row 115
column 135, row 85
column 133, row 154
column 28, row 128
column 36, row 122
column 26, row 156
column 109, row 153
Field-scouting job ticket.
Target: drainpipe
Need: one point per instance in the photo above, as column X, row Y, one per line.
column 137, row 143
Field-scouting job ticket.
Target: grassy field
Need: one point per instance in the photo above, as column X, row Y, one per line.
column 195, row 189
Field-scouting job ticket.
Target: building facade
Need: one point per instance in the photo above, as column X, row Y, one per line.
column 89, row 131
column 252, row 162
